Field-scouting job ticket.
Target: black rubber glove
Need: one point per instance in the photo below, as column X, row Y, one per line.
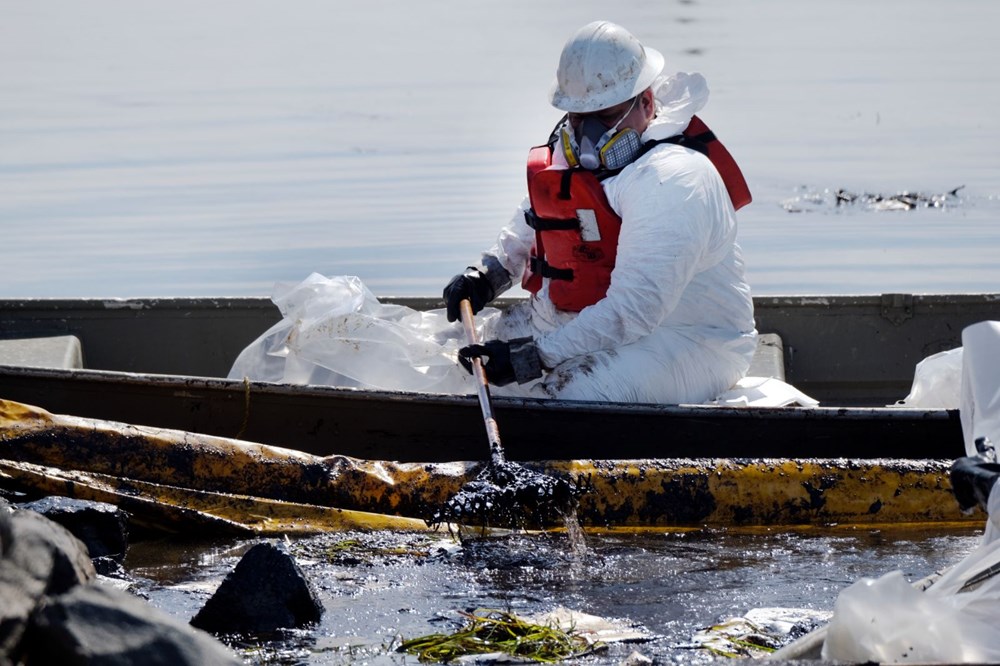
column 471, row 284
column 972, row 479
column 514, row 360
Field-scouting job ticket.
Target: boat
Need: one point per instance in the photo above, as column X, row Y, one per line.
column 163, row 362
column 118, row 384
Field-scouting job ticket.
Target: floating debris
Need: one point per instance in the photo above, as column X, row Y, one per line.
column 502, row 633
column 758, row 633
column 370, row 549
column 810, row 201
column 597, row 630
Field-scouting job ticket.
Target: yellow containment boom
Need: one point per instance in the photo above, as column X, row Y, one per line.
column 180, row 480
column 169, row 508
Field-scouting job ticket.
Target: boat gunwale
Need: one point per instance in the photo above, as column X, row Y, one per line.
column 218, row 302
column 372, row 395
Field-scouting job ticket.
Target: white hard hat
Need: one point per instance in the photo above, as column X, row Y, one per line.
column 603, row 64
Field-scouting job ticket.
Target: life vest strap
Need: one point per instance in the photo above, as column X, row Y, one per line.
column 541, row 267
column 706, row 137
column 700, row 138
column 698, row 143
column 539, row 224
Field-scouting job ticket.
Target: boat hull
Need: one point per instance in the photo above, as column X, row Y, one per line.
column 158, row 362
column 425, row 428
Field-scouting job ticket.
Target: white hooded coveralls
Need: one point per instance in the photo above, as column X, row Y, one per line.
column 676, row 325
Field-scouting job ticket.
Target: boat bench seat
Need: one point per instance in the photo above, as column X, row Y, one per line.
column 61, row 351
column 769, row 359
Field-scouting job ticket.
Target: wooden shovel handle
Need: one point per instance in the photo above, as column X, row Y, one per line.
column 482, row 384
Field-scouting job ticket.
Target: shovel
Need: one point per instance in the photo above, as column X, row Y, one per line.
column 503, row 494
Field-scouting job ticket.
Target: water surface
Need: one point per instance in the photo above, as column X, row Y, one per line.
column 669, row 584
column 185, row 148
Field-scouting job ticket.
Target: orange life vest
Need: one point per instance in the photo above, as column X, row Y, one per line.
column 576, row 229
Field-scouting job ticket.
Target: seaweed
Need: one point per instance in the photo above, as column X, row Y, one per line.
column 491, row 631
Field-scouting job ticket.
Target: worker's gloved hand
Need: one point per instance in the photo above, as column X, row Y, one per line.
column 972, row 479
column 505, row 361
column 473, row 285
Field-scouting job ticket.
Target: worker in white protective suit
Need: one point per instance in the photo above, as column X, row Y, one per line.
column 627, row 242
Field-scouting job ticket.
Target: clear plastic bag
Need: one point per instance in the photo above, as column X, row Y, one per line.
column 937, row 382
column 980, row 402
column 335, row 332
column 887, row 620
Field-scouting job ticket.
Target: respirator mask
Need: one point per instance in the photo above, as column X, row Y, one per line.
column 593, row 145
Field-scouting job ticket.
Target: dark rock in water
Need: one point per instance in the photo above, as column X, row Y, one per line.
column 48, row 552
column 19, row 592
column 51, row 613
column 109, row 567
column 37, row 557
column 266, row 591
column 7, row 496
column 5, row 530
column 93, row 624
column 102, row 527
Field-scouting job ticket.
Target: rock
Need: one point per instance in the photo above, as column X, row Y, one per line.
column 48, row 552
column 265, row 592
column 102, row 527
column 51, row 612
column 5, row 530
column 109, row 567
column 94, row 624
column 19, row 591
column 39, row 557
column 7, row 496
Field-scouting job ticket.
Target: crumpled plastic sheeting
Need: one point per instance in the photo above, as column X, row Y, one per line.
column 764, row 392
column 964, row 378
column 992, row 531
column 937, row 382
column 335, row 332
column 888, row 621
column 980, row 391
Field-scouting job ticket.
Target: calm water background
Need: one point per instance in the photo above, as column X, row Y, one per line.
column 175, row 148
